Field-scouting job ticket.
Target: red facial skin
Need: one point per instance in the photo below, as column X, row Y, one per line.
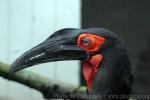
column 91, row 44
column 95, row 42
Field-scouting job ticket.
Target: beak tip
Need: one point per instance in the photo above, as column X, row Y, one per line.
column 12, row 71
column 13, row 68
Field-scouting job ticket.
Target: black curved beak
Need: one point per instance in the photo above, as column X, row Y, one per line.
column 55, row 48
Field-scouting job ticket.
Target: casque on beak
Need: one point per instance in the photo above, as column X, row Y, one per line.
column 57, row 47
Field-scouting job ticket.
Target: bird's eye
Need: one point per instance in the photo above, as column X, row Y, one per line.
column 86, row 41
column 90, row 42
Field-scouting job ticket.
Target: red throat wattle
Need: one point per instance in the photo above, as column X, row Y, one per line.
column 90, row 68
column 91, row 44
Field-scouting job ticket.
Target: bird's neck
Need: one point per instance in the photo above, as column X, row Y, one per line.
column 90, row 68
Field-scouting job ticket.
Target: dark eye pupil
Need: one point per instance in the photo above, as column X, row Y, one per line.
column 85, row 41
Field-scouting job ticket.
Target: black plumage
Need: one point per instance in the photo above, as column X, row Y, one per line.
column 112, row 81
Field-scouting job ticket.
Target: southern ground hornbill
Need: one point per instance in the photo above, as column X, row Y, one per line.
column 106, row 66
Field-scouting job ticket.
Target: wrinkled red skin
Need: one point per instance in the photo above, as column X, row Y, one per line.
column 91, row 65
column 90, row 68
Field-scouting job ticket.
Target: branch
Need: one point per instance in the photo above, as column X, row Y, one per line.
column 49, row 88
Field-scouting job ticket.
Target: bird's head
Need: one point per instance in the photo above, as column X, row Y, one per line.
column 86, row 45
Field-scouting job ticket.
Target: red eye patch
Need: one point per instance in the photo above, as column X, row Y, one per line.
column 90, row 42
